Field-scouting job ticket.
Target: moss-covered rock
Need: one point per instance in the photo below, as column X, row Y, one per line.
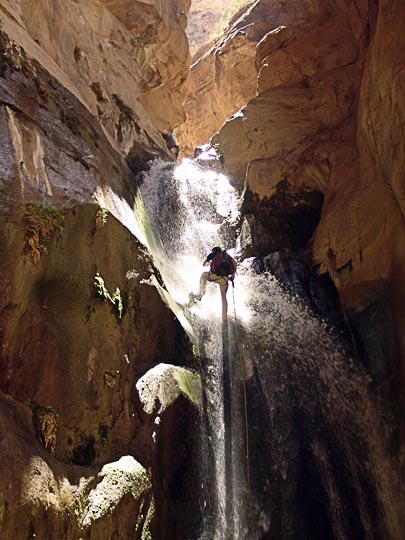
column 164, row 383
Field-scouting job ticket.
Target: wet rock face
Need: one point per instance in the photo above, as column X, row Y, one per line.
column 70, row 360
column 277, row 231
column 285, row 220
column 319, row 293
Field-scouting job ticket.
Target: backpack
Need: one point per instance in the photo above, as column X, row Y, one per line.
column 223, row 264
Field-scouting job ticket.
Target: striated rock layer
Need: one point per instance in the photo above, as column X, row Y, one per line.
column 207, row 20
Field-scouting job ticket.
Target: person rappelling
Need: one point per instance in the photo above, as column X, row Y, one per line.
column 222, row 270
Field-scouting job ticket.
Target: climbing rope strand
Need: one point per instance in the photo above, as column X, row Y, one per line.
column 243, row 372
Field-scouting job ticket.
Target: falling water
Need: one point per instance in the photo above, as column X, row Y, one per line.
column 190, row 210
column 311, row 462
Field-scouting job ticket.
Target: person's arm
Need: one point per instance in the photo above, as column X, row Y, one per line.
column 209, row 258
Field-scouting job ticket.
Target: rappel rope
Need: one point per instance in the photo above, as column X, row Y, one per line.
column 243, row 372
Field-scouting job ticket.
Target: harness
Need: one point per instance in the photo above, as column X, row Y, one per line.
column 222, row 280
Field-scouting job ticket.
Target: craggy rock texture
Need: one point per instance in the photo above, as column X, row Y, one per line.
column 366, row 257
column 127, row 63
column 328, row 120
column 208, row 18
column 78, row 326
column 308, row 75
column 223, row 79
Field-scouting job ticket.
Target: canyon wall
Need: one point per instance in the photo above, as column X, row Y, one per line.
column 361, row 237
column 207, row 20
column 321, row 141
column 127, row 64
column 223, row 77
column 85, row 90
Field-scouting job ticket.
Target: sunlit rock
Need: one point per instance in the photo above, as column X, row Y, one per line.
column 118, row 479
column 164, row 383
column 207, row 20
column 126, row 63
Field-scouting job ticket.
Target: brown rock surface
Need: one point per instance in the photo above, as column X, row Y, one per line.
column 127, row 63
column 327, row 117
column 368, row 263
column 72, row 352
column 224, row 78
column 208, row 18
column 305, row 92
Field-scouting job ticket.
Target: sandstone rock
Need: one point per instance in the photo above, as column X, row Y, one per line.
column 164, row 383
column 119, row 478
column 224, row 78
column 285, row 220
column 44, row 498
column 70, row 357
column 294, row 106
column 369, row 249
column 208, row 18
column 111, row 58
column 327, row 118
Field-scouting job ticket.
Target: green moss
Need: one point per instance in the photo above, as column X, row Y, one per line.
column 112, row 378
column 71, row 121
column 10, row 54
column 190, row 384
column 45, row 421
column 101, row 217
column 100, row 288
column 143, row 39
column 117, row 301
column 41, row 223
column 101, row 291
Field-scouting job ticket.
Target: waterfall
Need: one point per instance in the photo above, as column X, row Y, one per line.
column 310, row 463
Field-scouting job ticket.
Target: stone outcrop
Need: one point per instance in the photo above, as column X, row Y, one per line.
column 361, row 236
column 224, row 78
column 304, row 92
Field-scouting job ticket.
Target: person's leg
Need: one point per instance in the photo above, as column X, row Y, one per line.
column 223, row 285
column 203, row 283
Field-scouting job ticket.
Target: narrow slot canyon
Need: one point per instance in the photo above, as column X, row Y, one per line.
column 202, row 253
